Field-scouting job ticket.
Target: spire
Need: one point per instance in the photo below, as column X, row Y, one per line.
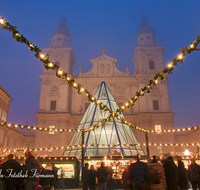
column 145, row 28
column 104, row 51
column 62, row 28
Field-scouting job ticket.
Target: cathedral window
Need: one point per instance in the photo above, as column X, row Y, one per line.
column 148, row 38
column 151, row 64
column 159, row 149
column 57, row 63
column 155, row 105
column 59, row 39
column 51, row 127
column 53, row 105
column 158, row 128
column 141, row 39
column 66, row 40
column 4, row 115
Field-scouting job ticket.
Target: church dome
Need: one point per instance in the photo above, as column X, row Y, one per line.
column 145, row 28
column 62, row 28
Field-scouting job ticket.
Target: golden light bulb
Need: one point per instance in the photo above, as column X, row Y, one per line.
column 82, row 89
column 156, row 81
column 2, row 21
column 180, row 56
column 74, row 84
column 50, row 64
column 169, row 65
column 123, row 107
column 42, row 55
column 60, row 72
column 192, row 46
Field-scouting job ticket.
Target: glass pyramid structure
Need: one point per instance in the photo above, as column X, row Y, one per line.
column 112, row 133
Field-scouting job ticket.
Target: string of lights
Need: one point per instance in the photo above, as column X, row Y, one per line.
column 98, row 145
column 166, row 131
column 43, row 128
column 61, row 74
column 50, row 65
column 162, row 75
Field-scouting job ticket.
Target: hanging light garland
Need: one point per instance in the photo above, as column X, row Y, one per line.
column 97, row 146
column 45, row 129
column 61, row 74
column 162, row 75
column 50, row 65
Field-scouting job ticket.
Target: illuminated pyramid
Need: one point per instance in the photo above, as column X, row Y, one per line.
column 111, row 133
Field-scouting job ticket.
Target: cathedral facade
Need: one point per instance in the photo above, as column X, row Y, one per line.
column 62, row 107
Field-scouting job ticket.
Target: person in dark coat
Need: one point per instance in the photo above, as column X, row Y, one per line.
column 86, row 177
column 125, row 179
column 32, row 169
column 10, row 167
column 139, row 173
column 182, row 175
column 194, row 174
column 102, row 174
column 93, row 175
column 110, row 181
column 55, row 173
column 171, row 174
column 2, row 184
column 46, row 177
column 157, row 175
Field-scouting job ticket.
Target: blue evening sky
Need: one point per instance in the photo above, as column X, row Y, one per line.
column 95, row 24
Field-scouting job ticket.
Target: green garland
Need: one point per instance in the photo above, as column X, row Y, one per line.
column 61, row 74
column 98, row 145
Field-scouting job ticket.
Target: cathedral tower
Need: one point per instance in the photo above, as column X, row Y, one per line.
column 154, row 108
column 55, row 106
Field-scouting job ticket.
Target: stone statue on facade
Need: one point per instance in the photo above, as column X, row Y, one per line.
column 80, row 71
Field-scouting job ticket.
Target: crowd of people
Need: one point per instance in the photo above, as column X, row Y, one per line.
column 29, row 176
column 165, row 175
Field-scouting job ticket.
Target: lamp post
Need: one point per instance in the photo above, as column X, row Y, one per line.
column 147, row 144
column 82, row 154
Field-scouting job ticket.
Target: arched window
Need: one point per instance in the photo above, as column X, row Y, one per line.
column 57, row 63
column 151, row 64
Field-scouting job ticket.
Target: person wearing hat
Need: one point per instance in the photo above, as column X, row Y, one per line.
column 86, row 177
column 171, row 173
column 31, row 168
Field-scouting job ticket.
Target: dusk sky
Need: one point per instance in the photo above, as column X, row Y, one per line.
column 112, row 24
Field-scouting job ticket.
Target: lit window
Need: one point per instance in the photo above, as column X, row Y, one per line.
column 155, row 105
column 51, row 127
column 151, row 64
column 159, row 149
column 53, row 105
column 4, row 116
column 158, row 128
